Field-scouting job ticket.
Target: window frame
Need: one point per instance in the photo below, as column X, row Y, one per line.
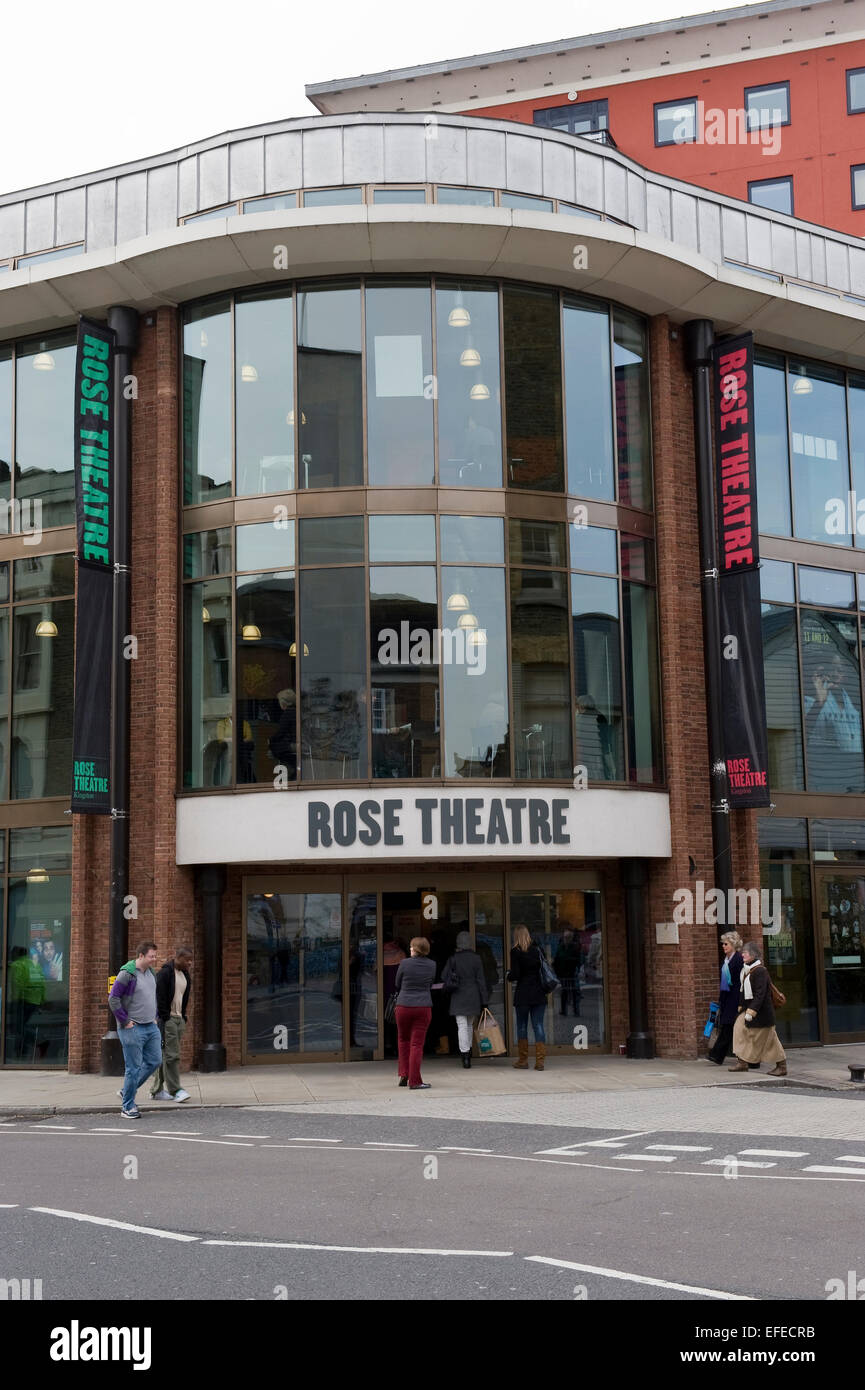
column 539, row 114
column 854, row 170
column 766, row 87
column 680, row 101
column 851, row 109
column 782, row 178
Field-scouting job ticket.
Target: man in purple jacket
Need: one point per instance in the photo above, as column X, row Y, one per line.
column 133, row 1003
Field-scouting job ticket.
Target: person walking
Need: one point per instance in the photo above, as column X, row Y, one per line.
column 530, row 1000
column 728, row 1007
column 133, row 1003
column 754, row 1036
column 413, row 1011
column 464, row 977
column 173, row 986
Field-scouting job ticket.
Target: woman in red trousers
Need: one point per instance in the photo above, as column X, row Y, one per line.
column 414, row 1011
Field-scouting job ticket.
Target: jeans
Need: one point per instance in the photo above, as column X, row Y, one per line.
column 537, row 1012
column 142, row 1054
column 412, row 1022
column 167, row 1075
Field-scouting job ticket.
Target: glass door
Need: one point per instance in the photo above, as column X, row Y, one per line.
column 567, row 925
column 842, row 933
column 294, row 983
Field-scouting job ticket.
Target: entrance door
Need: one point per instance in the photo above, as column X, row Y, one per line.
column 293, row 974
column 567, row 925
column 842, row 940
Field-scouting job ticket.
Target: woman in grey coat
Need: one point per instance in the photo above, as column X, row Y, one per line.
column 464, row 977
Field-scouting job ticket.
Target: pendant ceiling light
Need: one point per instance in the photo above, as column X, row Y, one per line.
column 37, row 875
column 205, row 615
column 470, row 357
column 289, row 419
column 43, row 362
column 468, row 622
column 802, row 386
column 203, row 339
column 458, row 603
column 46, row 628
column 292, row 651
column 248, row 373
column 479, row 392
column 250, row 633
column 459, row 317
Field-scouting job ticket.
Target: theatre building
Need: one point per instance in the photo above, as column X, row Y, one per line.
column 416, row 640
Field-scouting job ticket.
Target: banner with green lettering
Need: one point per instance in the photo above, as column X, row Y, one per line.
column 94, row 485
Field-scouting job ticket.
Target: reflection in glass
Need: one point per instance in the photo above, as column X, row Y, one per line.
column 477, row 197
column 207, row 722
column 642, row 683
column 469, row 393
column 533, row 389
column 49, row 846
column 331, row 197
column 207, row 402
column 44, row 422
column 790, row 953
column 42, row 699
column 402, row 538
column 4, row 702
column 588, row 400
column 833, row 706
column 265, row 544
column 333, row 715
column 593, row 548
column 783, row 709
column 474, row 539
column 404, row 662
column 475, row 701
column 536, row 542
column 293, row 973
column 856, row 419
column 399, row 195
column 5, row 422
column 277, row 203
column 835, row 588
column 770, row 430
column 782, row 837
column 776, row 581
column 362, row 975
column 399, row 399
column 567, row 926
column 490, row 946
column 598, row 733
column 37, row 972
column 329, row 387
column 266, row 679
column 818, row 435
column 44, row 576
column 207, row 552
column 264, row 393
column 331, row 540
column 842, row 937
column 633, row 440
column 541, row 681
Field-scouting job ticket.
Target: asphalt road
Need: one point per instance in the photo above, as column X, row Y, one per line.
column 269, row 1205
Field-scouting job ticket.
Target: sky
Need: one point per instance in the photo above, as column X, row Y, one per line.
column 110, row 82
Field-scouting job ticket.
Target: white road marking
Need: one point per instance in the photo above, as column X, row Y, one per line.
column 311, row 1139
column 43, row 1126
column 245, row 1136
column 185, row 1131
column 385, row 1144
column 566, row 1149
column 7, row 1205
column 850, row 1158
column 641, row 1279
column 115, row 1225
column 648, row 1158
column 461, row 1149
column 739, row 1162
column 184, row 1139
column 359, row 1249
column 848, row 1172
column 524, row 1158
column 776, row 1153
column 684, row 1148
column 763, row 1177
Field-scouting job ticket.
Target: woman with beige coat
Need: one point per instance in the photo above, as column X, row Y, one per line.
column 754, row 1036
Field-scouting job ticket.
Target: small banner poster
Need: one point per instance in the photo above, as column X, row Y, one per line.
column 94, row 486
column 743, row 696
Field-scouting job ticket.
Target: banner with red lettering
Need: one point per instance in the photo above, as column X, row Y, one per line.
column 743, row 695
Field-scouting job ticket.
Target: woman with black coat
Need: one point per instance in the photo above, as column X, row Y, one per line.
column 464, row 977
column 731, row 971
column 530, row 999
column 754, row 1036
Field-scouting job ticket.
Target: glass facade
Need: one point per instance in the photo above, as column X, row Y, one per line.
column 37, row 379
column 35, row 920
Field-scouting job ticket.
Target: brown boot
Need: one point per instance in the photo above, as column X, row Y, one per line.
column 740, row 1066
column 540, row 1055
column 779, row 1070
column 444, row 1047
column 522, row 1061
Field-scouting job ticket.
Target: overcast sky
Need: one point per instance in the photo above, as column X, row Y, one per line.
column 86, row 86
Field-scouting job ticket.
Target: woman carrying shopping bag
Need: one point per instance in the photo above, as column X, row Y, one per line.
column 464, row 977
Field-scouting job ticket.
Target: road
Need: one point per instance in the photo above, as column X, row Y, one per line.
column 294, row 1203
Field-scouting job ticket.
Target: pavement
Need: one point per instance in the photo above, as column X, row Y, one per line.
column 29, row 1092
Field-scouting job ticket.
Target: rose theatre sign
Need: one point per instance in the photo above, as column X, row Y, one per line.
column 412, row 821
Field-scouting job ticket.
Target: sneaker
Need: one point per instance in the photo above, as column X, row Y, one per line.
column 133, row 1114
column 161, row 1095
column 179, row 1095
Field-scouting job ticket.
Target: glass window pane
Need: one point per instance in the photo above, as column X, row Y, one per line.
column 399, row 398
column 833, row 707
column 331, row 540
column 477, row 197
column 857, row 174
column 267, row 543
column 405, row 667
column 783, row 709
column 633, row 414
column 832, row 587
column 48, row 847
column 469, row 392
column 266, row 679
column 589, row 400
column 598, row 731
column 574, row 948
column 540, row 672
column 533, row 389
column 773, row 465
column 768, row 106
column 675, row 122
column 477, row 539
column 58, row 253
column 838, row 839
column 402, row 538
column 4, row 707
column 776, row 581
column 294, row 973
column 537, row 542
column 475, row 701
column 44, row 576
column 782, row 837
column 399, row 195
column 207, row 552
column 333, row 712
column 4, row 581
column 774, row 194
column 790, row 953
column 642, row 683
column 5, row 424
column 207, row 402
column 526, row 200
column 594, row 548
column 42, row 657
column 274, row 204
column 579, row 212
column 37, row 971
column 264, row 395
column 856, row 90
column 856, row 417
column 44, row 428
column 818, row 425
column 331, row 197
column 227, row 210
column 330, row 387
column 207, row 723
column 638, row 558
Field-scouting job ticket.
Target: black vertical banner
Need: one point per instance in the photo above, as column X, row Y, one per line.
column 743, row 696
column 94, row 488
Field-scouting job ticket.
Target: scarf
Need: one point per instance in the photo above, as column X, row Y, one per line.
column 726, row 979
column 747, row 990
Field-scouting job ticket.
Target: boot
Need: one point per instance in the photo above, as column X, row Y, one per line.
column 779, row 1070
column 467, row 1059
column 522, row 1061
column 443, row 1049
column 740, row 1066
column 540, row 1055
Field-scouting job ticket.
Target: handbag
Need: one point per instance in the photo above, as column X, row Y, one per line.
column 778, row 998
column 450, row 979
column 549, row 978
column 488, row 1036
column 390, row 1008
